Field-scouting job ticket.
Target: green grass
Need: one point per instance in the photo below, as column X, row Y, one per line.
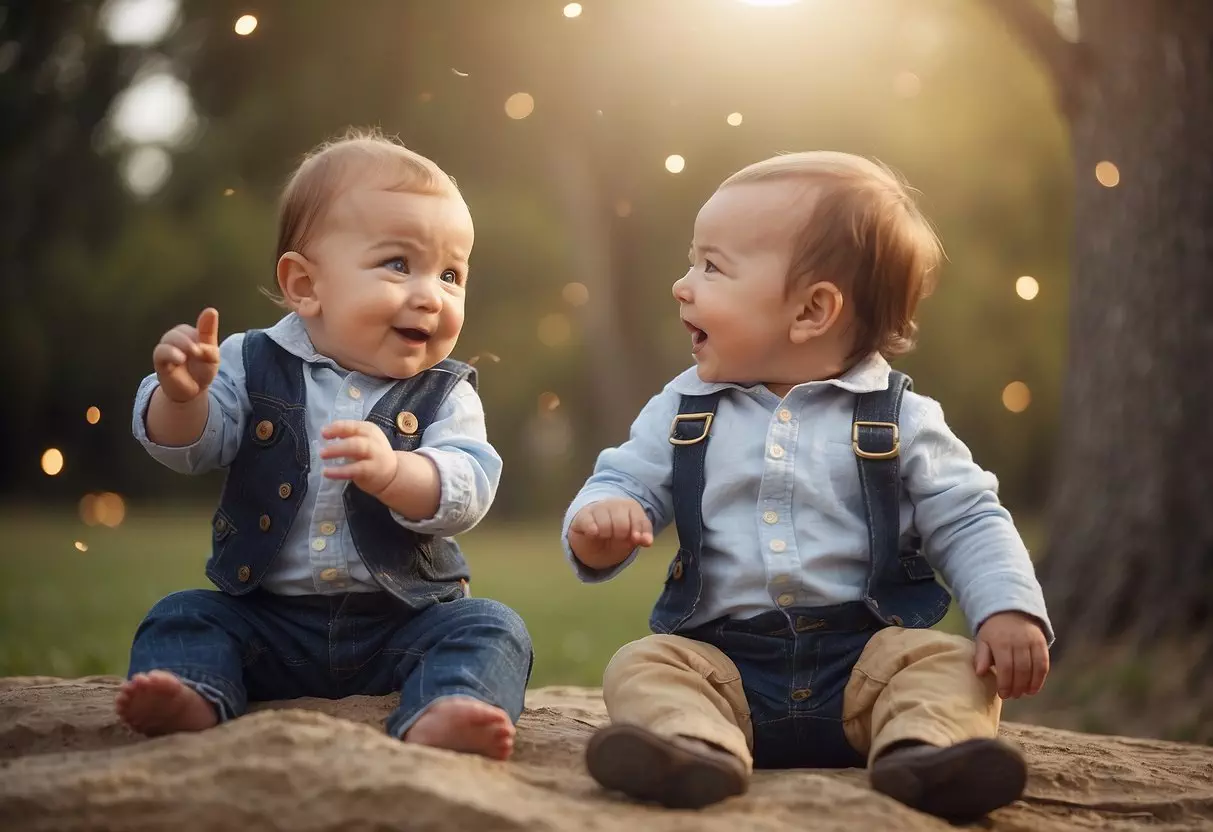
column 69, row 613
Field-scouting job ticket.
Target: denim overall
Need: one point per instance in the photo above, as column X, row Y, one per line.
column 421, row 636
column 795, row 663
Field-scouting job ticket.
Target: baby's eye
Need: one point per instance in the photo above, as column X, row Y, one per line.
column 449, row 276
column 397, row 264
column 709, row 267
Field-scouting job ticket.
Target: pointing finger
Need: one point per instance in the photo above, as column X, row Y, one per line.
column 208, row 326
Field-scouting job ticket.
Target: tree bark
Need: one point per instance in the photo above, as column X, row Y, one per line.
column 1130, row 541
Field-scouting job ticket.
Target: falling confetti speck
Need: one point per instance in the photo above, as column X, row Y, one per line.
column 229, row 191
column 460, row 74
column 81, row 545
column 487, row 356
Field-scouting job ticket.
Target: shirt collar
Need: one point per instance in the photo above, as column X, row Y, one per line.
column 869, row 374
column 290, row 334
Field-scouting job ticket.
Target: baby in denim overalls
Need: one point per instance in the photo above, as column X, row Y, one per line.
column 812, row 494
column 356, row 449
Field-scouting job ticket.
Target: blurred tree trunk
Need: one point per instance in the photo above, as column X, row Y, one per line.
column 588, row 214
column 1130, row 541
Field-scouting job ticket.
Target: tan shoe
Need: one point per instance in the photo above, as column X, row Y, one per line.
column 959, row 783
column 675, row 772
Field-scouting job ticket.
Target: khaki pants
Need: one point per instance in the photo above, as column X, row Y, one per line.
column 907, row 685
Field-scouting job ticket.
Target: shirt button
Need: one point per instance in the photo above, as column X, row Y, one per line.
column 786, row 599
column 785, row 415
column 355, row 393
column 770, row 518
column 327, row 528
column 778, row 545
column 776, row 452
column 329, row 574
column 319, row 543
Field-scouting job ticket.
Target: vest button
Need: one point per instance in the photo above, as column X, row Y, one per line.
column 678, row 570
column 264, row 429
column 264, row 522
column 786, row 599
column 406, row 422
column 220, row 525
column 801, row 695
column 244, row 573
column 896, row 619
column 284, row 490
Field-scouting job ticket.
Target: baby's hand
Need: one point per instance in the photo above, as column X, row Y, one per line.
column 603, row 533
column 370, row 460
column 1015, row 647
column 619, row 520
column 187, row 358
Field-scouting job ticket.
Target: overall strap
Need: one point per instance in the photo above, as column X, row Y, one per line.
column 876, row 440
column 689, row 435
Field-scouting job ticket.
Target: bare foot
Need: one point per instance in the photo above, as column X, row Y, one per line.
column 460, row 723
column 158, row 703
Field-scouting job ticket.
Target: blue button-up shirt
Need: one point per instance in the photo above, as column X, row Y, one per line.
column 783, row 511
column 318, row 556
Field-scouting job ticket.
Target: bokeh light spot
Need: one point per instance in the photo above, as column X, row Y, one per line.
column 1016, row 397
column 519, row 105
column 554, row 330
column 675, row 163
column 1027, row 287
column 1108, row 174
column 245, row 24
column 52, row 461
column 575, row 294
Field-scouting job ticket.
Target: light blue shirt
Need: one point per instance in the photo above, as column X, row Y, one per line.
column 783, row 514
column 318, row 556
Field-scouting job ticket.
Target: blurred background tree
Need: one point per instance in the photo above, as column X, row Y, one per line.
column 1130, row 550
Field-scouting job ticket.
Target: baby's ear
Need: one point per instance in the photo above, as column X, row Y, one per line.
column 817, row 306
column 297, row 285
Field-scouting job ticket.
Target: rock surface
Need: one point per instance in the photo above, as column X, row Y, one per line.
column 66, row 765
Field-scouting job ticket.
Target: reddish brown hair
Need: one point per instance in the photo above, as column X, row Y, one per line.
column 865, row 234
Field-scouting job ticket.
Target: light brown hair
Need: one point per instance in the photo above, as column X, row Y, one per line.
column 330, row 167
column 865, row 234
column 325, row 170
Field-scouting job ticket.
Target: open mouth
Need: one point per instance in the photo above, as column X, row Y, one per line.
column 411, row 335
column 698, row 336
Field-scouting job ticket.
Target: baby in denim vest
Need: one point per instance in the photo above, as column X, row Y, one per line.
column 356, row 449
column 812, row 494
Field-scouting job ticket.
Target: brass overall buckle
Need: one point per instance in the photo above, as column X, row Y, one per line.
column 690, row 417
column 862, row 454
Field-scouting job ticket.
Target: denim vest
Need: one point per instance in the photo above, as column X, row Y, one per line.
column 267, row 481
column 900, row 590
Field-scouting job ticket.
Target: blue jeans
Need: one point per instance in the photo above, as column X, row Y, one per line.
column 262, row 646
column 794, row 670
